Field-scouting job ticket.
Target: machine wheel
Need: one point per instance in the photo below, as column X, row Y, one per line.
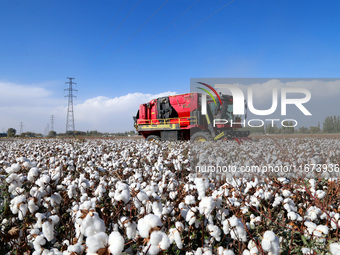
column 201, row 137
column 153, row 138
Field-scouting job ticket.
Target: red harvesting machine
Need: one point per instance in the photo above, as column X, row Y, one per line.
column 180, row 117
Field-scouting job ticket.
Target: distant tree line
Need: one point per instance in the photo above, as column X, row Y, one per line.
column 11, row 132
column 331, row 124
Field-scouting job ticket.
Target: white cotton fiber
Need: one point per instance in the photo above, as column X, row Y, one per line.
column 158, row 241
column 271, row 243
column 116, row 242
column 207, row 205
column 32, row 174
column 334, row 248
column 202, row 184
column 47, row 229
column 96, row 242
column 146, row 223
column 92, row 224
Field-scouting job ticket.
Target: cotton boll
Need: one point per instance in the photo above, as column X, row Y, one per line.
column 38, row 242
column 130, row 227
column 202, row 184
column 321, row 230
column 48, row 231
column 100, row 191
column 40, row 218
column 122, row 192
column 18, row 206
column 92, row 224
column 313, row 212
column 191, row 216
column 199, row 251
column 77, row 248
column 292, row 215
column 116, row 242
column 176, row 236
column 310, row 226
column 225, row 251
column 277, row 201
column 147, row 223
column 235, row 227
column 214, row 231
column 334, row 248
column 33, row 174
column 142, row 197
column 96, row 242
column 207, row 205
column 157, row 208
column 32, row 207
column 335, row 222
column 286, row 193
column 159, row 239
column 306, row 251
column 54, row 219
column 254, row 251
column 320, row 194
column 173, row 195
column 45, row 178
column 271, row 243
column 13, row 169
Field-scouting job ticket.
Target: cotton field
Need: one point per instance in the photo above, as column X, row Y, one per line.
column 126, row 196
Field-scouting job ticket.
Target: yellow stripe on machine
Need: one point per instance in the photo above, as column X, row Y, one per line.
column 219, row 136
column 208, row 120
column 170, row 126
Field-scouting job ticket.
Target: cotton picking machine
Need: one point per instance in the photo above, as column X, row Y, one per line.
column 189, row 116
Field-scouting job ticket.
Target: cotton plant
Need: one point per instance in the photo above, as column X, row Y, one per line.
column 139, row 197
column 114, row 243
column 271, row 243
column 147, row 224
column 235, row 228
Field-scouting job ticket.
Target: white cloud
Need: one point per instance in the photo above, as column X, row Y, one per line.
column 13, row 94
column 111, row 114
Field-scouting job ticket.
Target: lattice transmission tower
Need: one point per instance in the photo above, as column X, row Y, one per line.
column 52, row 123
column 21, row 128
column 70, row 113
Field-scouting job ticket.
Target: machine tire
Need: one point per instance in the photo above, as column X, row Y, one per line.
column 201, row 137
column 151, row 138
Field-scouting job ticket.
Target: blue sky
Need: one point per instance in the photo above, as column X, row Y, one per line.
column 43, row 42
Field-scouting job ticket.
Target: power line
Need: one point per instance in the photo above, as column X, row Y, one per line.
column 114, row 17
column 179, row 15
column 70, row 114
column 121, row 23
column 138, row 30
column 171, row 22
column 187, row 31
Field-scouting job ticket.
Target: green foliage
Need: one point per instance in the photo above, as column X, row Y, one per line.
column 331, row 124
column 52, row 134
column 11, row 132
